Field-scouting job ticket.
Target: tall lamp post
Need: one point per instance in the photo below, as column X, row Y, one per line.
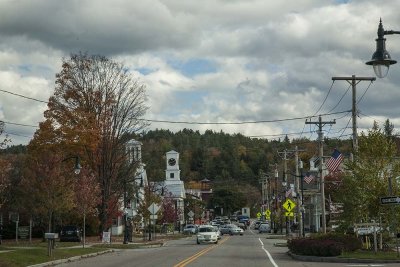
column 381, row 58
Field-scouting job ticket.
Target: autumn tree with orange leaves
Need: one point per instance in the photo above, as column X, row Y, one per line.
column 95, row 110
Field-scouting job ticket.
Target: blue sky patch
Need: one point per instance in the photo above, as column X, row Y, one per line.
column 194, row 67
column 189, row 101
column 145, row 71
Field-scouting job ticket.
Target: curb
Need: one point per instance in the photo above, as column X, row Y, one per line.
column 76, row 258
column 338, row 260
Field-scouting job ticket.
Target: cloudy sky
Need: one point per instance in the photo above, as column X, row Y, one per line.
column 211, row 61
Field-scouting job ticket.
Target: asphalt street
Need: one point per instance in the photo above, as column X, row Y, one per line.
column 251, row 249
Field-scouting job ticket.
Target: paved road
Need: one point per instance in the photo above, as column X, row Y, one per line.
column 251, row 249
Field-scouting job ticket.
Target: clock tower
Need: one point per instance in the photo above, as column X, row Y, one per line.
column 172, row 173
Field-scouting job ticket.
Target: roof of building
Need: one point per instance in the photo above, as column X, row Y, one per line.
column 177, row 190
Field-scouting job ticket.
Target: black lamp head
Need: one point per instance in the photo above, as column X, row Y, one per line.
column 381, row 59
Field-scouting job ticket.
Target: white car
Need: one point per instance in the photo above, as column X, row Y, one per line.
column 264, row 228
column 207, row 234
column 218, row 231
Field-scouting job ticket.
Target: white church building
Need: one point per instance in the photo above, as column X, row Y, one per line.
column 138, row 182
column 173, row 186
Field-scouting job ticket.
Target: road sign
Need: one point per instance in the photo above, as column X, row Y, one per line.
column 190, row 214
column 153, row 217
column 268, row 213
column 258, row 215
column 153, row 208
column 289, row 205
column 390, row 200
column 289, row 214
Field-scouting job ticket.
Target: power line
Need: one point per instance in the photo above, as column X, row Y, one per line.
column 326, row 97
column 27, row 97
column 366, row 90
column 244, row 122
column 340, row 100
column 19, row 124
column 18, row 134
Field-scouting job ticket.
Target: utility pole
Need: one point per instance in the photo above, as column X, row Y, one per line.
column 285, row 184
column 275, row 196
column 320, row 124
column 299, row 193
column 262, row 181
column 353, row 80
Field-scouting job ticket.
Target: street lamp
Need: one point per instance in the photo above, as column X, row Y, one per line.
column 381, row 58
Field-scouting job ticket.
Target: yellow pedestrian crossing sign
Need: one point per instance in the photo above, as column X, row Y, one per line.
column 268, row 213
column 289, row 214
column 289, row 205
column 258, row 215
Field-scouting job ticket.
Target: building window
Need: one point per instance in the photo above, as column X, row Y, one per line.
column 171, row 175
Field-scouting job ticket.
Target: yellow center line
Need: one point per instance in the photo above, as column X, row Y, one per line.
column 198, row 254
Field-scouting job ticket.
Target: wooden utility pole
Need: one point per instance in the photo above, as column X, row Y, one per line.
column 320, row 124
column 353, row 80
column 285, row 183
column 299, row 195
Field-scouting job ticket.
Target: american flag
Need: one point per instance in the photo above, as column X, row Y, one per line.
column 333, row 163
column 308, row 178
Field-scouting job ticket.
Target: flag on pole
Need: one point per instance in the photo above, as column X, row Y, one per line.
column 333, row 163
column 308, row 178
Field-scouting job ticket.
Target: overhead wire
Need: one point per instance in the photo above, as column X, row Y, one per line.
column 214, row 123
column 366, row 90
column 326, row 97
column 27, row 97
column 340, row 100
column 243, row 122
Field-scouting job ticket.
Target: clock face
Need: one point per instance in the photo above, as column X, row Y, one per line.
column 171, row 161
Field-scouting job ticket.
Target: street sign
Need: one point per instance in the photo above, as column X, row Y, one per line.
column 153, row 208
column 153, row 217
column 190, row 214
column 289, row 205
column 268, row 213
column 289, row 214
column 258, row 215
column 390, row 200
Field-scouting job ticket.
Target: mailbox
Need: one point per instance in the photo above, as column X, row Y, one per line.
column 50, row 235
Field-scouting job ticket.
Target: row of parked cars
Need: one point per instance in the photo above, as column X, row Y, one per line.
column 211, row 233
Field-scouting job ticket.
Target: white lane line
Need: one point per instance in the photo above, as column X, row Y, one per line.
column 268, row 254
column 365, row 265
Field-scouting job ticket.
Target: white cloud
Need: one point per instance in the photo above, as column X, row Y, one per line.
column 262, row 60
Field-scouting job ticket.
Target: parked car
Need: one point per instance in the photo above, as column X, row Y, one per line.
column 190, row 229
column 264, row 228
column 242, row 226
column 257, row 224
column 218, row 231
column 231, row 229
column 207, row 234
column 70, row 233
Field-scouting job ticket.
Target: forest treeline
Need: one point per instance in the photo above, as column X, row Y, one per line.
column 221, row 157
